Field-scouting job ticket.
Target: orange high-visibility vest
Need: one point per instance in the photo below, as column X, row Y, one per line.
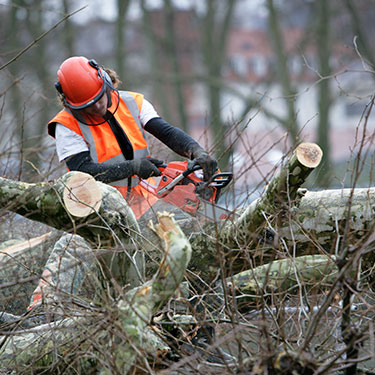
column 101, row 141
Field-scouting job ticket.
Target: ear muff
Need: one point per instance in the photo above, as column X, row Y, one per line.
column 59, row 88
column 102, row 73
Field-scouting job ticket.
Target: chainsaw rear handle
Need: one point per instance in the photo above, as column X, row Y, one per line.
column 218, row 180
column 221, row 179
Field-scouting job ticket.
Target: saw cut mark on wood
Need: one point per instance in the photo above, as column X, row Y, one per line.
column 309, row 154
column 23, row 245
column 82, row 195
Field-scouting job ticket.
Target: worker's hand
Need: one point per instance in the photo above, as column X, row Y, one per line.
column 206, row 162
column 146, row 167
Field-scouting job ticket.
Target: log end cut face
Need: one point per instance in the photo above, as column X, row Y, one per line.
column 309, row 154
column 82, row 195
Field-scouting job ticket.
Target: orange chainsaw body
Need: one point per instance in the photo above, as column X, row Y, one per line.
column 184, row 187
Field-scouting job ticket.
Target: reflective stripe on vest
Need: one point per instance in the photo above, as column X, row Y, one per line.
column 132, row 106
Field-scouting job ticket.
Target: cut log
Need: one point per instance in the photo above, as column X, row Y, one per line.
column 99, row 212
column 131, row 316
column 317, row 224
column 82, row 195
column 280, row 193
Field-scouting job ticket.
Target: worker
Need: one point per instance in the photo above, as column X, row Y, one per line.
column 101, row 130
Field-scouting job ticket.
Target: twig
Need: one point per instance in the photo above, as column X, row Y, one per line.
column 40, row 37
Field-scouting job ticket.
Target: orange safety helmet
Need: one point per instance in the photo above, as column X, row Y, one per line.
column 81, row 82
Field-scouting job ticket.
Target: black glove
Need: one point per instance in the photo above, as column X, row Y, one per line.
column 207, row 163
column 146, row 167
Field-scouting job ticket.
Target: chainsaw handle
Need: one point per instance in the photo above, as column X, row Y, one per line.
column 192, row 168
column 221, row 179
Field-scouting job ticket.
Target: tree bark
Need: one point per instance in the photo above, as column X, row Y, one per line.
column 280, row 194
column 99, row 212
column 317, row 223
column 276, row 278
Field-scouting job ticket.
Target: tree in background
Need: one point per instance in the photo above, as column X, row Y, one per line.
column 283, row 75
column 120, row 44
column 181, row 58
column 320, row 29
column 215, row 28
column 162, row 61
column 324, row 50
column 360, row 30
column 30, row 82
column 325, row 35
column 155, row 73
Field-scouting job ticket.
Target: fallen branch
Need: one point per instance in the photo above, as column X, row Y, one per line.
column 133, row 313
column 280, row 194
column 73, row 203
column 279, row 277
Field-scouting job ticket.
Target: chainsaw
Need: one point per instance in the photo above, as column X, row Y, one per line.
column 181, row 184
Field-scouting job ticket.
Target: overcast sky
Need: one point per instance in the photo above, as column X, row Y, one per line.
column 107, row 9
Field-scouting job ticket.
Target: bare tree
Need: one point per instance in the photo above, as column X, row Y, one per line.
column 283, row 75
column 173, row 59
column 120, row 44
column 215, row 26
column 324, row 48
column 359, row 30
column 68, row 34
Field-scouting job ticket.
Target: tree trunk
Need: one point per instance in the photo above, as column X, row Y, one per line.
column 215, row 34
column 156, row 75
column 73, row 203
column 173, row 58
column 317, row 223
column 280, row 194
column 122, row 9
column 324, row 96
column 283, row 72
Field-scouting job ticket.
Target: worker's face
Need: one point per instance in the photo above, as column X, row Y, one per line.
column 99, row 108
